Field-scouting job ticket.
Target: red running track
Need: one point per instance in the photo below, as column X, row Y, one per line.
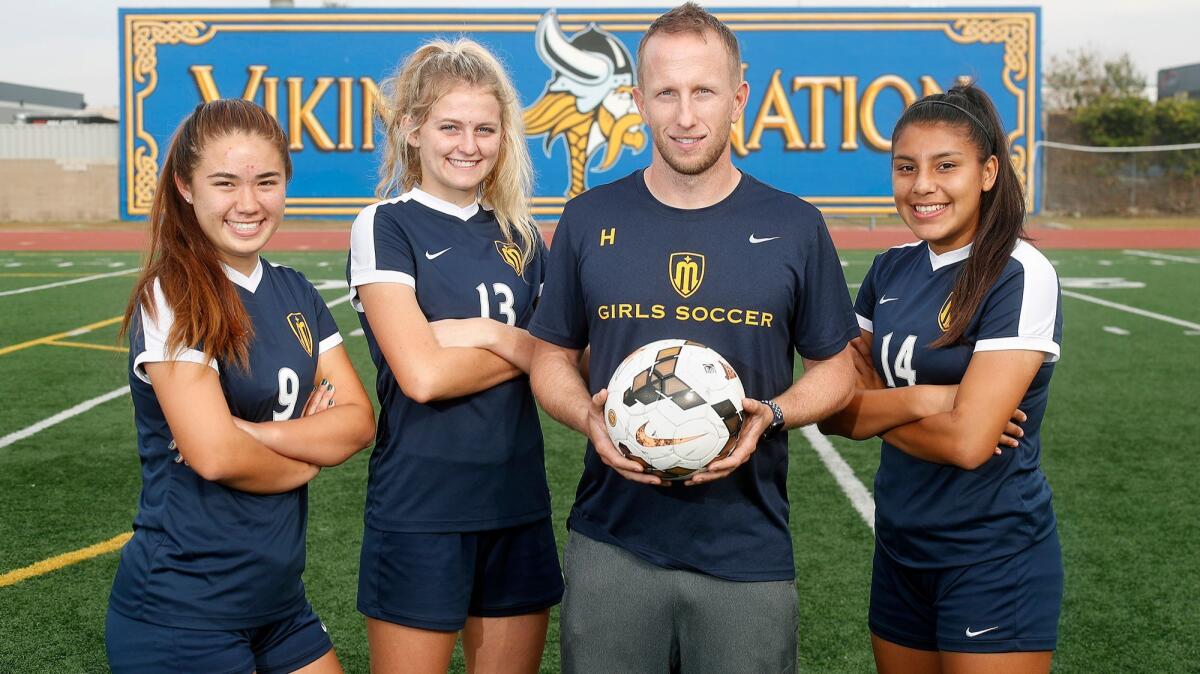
column 846, row 239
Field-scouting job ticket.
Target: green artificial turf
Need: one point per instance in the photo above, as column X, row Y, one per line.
column 1119, row 439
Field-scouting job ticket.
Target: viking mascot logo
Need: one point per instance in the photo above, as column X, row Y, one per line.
column 588, row 100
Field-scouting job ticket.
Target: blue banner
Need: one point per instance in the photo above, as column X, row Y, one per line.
column 826, row 88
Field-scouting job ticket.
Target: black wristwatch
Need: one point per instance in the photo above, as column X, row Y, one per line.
column 776, row 420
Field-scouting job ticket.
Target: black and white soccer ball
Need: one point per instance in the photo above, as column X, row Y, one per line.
column 674, row 406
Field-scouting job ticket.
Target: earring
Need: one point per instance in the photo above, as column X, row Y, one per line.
column 188, row 199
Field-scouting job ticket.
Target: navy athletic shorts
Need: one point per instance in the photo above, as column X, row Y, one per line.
column 283, row 646
column 433, row 581
column 1000, row 606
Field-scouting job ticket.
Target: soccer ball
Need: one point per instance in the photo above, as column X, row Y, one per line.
column 674, row 406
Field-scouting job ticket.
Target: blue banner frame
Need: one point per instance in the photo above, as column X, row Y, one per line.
column 826, row 87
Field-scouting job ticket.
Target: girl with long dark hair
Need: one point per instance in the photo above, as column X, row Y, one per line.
column 959, row 330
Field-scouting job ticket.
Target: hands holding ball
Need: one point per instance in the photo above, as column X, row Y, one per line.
column 675, row 410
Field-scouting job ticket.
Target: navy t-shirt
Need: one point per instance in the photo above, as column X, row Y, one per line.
column 470, row 463
column 754, row 277
column 931, row 515
column 203, row 555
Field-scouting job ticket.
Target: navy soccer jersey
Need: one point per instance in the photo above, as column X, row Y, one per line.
column 754, row 277
column 474, row 462
column 931, row 515
column 203, row 555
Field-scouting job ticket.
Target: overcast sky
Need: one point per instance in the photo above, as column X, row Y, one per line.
column 72, row 45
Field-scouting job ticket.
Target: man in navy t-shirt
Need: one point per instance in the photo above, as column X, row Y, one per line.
column 695, row 576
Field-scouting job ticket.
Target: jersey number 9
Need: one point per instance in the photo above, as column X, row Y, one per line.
column 289, row 391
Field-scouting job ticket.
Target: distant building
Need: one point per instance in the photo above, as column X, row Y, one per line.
column 58, row 119
column 1182, row 81
column 18, row 101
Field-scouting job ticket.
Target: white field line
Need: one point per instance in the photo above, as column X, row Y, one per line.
column 1133, row 310
column 86, row 405
column 858, row 494
column 341, row 300
column 1162, row 256
column 62, row 416
column 859, row 497
column 59, row 284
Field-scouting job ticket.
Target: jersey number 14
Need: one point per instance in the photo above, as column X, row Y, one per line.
column 903, row 366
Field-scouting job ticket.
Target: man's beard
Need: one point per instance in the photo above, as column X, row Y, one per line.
column 694, row 165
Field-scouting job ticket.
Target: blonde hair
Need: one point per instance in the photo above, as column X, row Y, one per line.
column 431, row 72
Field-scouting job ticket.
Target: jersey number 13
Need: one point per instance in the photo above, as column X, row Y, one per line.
column 504, row 294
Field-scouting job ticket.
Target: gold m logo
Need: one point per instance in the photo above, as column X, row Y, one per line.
column 301, row 331
column 944, row 314
column 511, row 254
column 687, row 272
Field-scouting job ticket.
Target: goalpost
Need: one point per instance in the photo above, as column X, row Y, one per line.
column 1090, row 180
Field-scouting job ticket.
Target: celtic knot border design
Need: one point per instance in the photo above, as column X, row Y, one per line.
column 147, row 35
column 1016, row 33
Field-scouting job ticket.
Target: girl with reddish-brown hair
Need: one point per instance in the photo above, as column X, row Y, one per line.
column 242, row 391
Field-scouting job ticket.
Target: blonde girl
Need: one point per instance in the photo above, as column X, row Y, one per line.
column 445, row 271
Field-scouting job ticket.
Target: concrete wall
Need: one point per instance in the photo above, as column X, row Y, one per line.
column 51, row 173
column 49, row 190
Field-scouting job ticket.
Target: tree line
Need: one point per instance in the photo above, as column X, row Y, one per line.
column 1107, row 100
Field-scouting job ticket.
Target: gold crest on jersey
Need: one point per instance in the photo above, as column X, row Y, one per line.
column 686, row 271
column 301, row 331
column 511, row 254
column 944, row 314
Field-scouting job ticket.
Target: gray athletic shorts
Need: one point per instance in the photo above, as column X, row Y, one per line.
column 624, row 614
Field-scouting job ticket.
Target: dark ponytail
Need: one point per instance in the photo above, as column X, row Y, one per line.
column 1002, row 209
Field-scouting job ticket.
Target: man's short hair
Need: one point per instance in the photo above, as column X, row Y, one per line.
column 692, row 18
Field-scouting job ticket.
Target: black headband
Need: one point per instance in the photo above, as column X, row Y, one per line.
column 982, row 127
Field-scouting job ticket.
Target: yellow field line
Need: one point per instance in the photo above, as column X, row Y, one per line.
column 69, row 333
column 85, row 345
column 66, row 559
